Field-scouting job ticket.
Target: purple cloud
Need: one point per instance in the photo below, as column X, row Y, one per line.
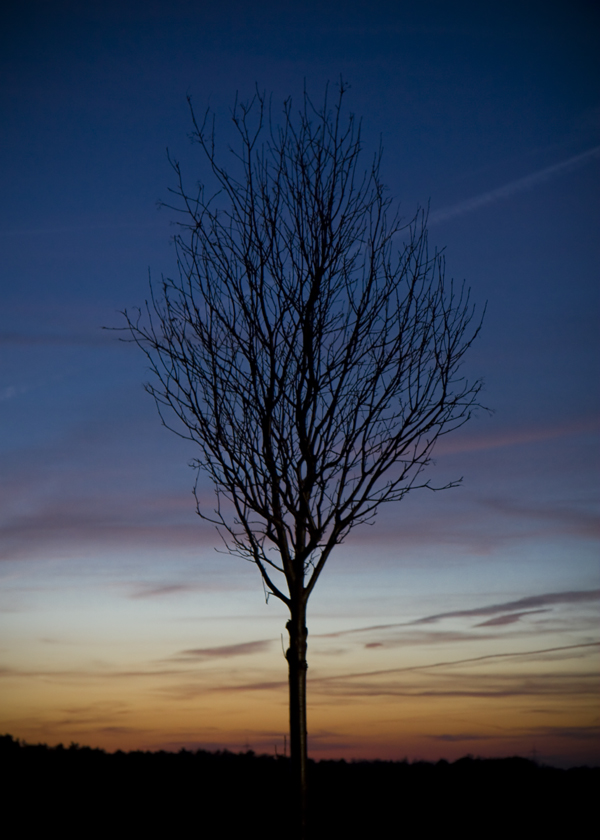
column 167, row 589
column 244, row 649
column 514, row 437
column 451, row 662
column 463, row 736
column 548, row 599
column 523, row 605
column 508, row 618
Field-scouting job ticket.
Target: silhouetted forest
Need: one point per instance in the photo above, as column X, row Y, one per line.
column 224, row 794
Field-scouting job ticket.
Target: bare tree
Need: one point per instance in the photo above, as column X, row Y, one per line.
column 310, row 346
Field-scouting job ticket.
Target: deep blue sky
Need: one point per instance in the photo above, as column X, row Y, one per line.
column 490, row 112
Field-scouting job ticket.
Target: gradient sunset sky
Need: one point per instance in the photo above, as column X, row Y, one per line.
column 461, row 622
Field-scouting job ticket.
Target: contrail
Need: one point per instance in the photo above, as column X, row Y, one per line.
column 514, row 187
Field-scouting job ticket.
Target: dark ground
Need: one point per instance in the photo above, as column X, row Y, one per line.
column 79, row 790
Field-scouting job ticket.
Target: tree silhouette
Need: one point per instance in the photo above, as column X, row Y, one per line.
column 310, row 346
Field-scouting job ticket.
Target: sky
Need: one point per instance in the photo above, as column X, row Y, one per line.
column 461, row 622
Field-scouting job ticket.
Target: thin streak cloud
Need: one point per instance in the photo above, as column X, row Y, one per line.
column 514, row 187
column 515, row 437
column 576, row 597
column 167, row 589
column 578, row 733
column 222, row 651
column 509, row 618
column 523, row 604
column 451, row 662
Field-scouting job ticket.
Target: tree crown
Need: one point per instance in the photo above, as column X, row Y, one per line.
column 313, row 358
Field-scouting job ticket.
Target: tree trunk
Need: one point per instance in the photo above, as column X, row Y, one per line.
column 296, row 657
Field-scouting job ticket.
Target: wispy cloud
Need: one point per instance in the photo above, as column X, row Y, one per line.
column 563, row 519
column 509, row 618
column 575, row 733
column 515, row 437
column 166, row 589
column 522, row 606
column 462, row 736
column 572, row 733
column 453, row 662
column 549, row 599
column 485, row 686
column 224, row 651
column 190, row 691
column 514, row 187
column 69, row 523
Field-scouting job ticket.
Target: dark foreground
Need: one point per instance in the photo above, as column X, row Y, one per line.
column 79, row 790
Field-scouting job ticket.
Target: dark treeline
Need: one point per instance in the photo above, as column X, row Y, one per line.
column 224, row 794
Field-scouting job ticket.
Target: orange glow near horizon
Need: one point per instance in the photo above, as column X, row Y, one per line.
column 437, row 687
